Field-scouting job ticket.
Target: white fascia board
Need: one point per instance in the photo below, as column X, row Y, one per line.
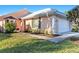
column 44, row 11
column 38, row 12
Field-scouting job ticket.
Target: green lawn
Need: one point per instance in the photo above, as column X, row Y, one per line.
column 20, row 42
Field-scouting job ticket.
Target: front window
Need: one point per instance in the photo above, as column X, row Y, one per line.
column 35, row 23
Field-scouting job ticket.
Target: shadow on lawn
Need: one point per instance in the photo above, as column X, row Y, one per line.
column 4, row 36
column 36, row 47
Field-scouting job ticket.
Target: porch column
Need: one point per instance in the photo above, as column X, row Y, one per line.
column 23, row 25
column 48, row 19
column 49, row 24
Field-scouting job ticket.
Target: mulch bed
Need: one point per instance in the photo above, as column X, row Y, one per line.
column 51, row 36
column 76, row 42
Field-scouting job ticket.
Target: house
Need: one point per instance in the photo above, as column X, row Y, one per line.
column 49, row 20
column 14, row 17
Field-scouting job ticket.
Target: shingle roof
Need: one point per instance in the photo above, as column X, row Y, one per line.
column 17, row 14
column 1, row 18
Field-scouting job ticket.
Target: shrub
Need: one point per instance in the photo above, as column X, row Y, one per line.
column 9, row 27
column 46, row 32
column 36, row 31
column 42, row 31
column 75, row 28
column 28, row 28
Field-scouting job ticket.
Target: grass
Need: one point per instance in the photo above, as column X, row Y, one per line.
column 23, row 43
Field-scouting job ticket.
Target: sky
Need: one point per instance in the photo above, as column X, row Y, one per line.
column 5, row 9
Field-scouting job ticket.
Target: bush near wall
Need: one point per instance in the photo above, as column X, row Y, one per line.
column 35, row 31
column 75, row 28
column 39, row 31
column 9, row 27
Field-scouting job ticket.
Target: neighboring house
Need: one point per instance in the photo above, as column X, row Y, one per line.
column 14, row 17
column 50, row 20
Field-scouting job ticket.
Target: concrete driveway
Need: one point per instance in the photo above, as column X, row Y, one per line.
column 63, row 37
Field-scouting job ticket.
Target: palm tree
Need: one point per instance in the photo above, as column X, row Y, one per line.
column 73, row 15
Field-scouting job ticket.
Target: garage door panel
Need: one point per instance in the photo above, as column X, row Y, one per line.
column 63, row 25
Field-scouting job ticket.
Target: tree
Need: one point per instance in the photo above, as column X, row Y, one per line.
column 73, row 15
column 9, row 27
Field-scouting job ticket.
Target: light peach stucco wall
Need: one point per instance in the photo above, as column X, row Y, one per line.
column 46, row 24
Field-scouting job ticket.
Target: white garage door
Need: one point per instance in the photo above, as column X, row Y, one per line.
column 63, row 26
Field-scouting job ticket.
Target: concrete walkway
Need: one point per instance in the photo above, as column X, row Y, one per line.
column 39, row 36
column 56, row 39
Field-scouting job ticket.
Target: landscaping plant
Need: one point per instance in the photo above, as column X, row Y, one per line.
column 75, row 28
column 9, row 27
